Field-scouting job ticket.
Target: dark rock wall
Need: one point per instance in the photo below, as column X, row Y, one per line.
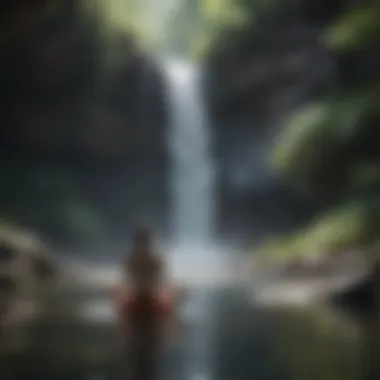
column 67, row 112
column 252, row 85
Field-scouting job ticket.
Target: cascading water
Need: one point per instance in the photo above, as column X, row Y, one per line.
column 192, row 180
column 193, row 207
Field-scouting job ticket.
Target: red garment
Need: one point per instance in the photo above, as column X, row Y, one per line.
column 133, row 304
column 154, row 305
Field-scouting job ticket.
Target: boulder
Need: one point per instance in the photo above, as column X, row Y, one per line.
column 27, row 267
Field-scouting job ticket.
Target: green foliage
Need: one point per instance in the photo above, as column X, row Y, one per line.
column 285, row 247
column 187, row 26
column 109, row 25
column 345, row 227
column 114, row 15
column 235, row 23
column 314, row 135
column 308, row 133
column 314, row 139
column 220, row 18
column 353, row 224
column 357, row 29
column 323, row 143
column 224, row 13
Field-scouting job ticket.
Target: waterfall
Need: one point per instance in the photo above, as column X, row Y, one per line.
column 193, row 203
column 193, row 171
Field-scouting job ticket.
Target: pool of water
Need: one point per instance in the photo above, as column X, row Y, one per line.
column 247, row 343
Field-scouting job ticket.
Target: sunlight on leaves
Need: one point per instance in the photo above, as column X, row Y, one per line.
column 357, row 29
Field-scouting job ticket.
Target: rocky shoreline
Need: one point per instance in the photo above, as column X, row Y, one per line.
column 348, row 283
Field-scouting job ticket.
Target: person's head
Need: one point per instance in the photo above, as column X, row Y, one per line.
column 143, row 236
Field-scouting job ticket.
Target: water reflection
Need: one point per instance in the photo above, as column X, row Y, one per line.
column 314, row 344
column 283, row 344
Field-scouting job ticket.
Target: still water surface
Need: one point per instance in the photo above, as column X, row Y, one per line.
column 248, row 343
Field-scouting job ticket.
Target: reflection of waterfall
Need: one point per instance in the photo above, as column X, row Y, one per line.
column 193, row 207
column 193, row 169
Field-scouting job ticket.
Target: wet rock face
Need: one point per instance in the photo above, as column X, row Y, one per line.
column 128, row 159
column 261, row 79
column 26, row 266
column 43, row 49
column 64, row 110
column 250, row 87
column 64, row 87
